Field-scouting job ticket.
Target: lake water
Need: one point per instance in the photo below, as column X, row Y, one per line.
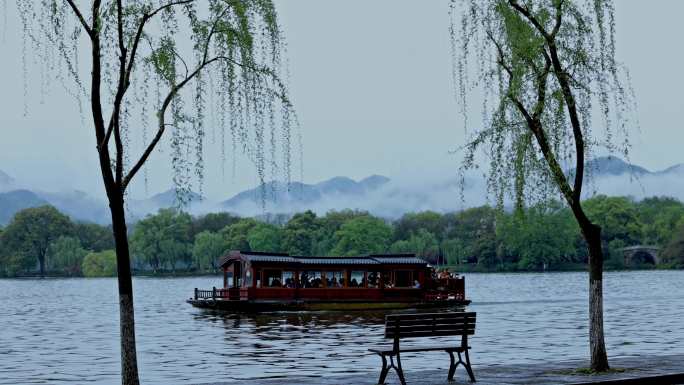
column 66, row 330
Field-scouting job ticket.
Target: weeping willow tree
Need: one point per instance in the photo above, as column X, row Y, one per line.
column 546, row 71
column 157, row 69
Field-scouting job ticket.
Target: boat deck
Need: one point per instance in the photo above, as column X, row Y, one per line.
column 298, row 305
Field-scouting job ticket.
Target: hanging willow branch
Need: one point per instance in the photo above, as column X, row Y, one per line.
column 542, row 66
column 178, row 46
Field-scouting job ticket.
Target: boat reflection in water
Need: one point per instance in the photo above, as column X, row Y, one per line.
column 264, row 282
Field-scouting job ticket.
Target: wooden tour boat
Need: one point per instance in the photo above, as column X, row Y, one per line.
column 256, row 282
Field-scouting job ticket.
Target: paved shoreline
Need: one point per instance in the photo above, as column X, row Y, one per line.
column 667, row 369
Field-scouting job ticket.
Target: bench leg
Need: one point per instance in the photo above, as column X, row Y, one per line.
column 383, row 372
column 386, row 368
column 452, row 366
column 467, row 365
column 400, row 371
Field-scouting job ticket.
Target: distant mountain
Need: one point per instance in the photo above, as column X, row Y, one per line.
column 13, row 201
column 278, row 194
column 168, row 198
column 611, row 165
column 381, row 196
column 139, row 208
column 374, row 181
column 339, row 185
column 83, row 207
column 613, row 176
column 78, row 205
column 677, row 169
column 6, row 181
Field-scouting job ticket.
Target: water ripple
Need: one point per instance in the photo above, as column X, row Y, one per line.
column 60, row 331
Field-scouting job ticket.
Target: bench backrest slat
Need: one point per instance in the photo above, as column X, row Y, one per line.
column 429, row 325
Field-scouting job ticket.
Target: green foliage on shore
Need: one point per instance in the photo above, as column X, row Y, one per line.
column 208, row 248
column 42, row 240
column 162, row 241
column 102, row 264
column 30, row 233
column 67, row 255
column 542, row 237
column 363, row 235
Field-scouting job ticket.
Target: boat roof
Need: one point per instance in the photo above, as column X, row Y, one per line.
column 373, row 259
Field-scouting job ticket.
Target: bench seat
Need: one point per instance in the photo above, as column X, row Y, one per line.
column 388, row 350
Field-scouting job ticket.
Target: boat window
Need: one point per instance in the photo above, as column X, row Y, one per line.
column 386, row 279
column 257, row 276
column 273, row 278
column 403, row 278
column 229, row 279
column 373, row 279
column 357, row 279
column 248, row 278
column 289, row 279
column 311, row 279
column 237, row 275
column 334, row 279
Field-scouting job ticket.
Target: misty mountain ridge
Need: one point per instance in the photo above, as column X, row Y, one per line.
column 612, row 165
column 380, row 195
column 302, row 193
column 6, row 181
column 16, row 200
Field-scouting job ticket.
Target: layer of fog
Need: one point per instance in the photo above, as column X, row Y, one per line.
column 402, row 194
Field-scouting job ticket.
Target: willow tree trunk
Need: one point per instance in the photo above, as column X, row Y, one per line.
column 41, row 264
column 129, row 363
column 599, row 357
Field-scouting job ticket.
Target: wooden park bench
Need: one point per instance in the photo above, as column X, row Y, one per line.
column 401, row 326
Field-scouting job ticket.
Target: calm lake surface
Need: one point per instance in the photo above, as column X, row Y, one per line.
column 66, row 330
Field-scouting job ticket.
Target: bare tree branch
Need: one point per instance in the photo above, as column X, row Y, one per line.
column 212, row 31
column 141, row 27
column 559, row 15
column 541, row 87
column 80, row 17
column 121, row 90
column 526, row 12
column 169, row 5
column 96, row 101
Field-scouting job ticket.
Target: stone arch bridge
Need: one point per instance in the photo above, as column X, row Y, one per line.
column 641, row 254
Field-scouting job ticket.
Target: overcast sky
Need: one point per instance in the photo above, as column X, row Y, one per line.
column 371, row 84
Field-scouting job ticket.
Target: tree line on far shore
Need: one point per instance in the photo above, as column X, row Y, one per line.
column 543, row 237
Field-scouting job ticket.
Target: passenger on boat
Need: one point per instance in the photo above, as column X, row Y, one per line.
column 416, row 284
column 304, row 280
column 353, row 283
column 373, row 279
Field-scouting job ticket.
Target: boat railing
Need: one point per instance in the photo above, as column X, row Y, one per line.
column 214, row 293
column 446, row 289
column 443, row 295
